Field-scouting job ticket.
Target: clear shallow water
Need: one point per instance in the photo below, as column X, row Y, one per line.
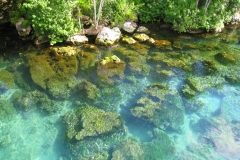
column 177, row 101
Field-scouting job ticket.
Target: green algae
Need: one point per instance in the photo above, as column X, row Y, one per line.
column 7, row 111
column 6, row 78
column 226, row 58
column 91, row 121
column 52, row 72
column 87, row 91
column 128, row 149
column 161, row 107
column 160, row 148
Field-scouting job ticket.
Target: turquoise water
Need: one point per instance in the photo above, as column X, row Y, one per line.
column 175, row 99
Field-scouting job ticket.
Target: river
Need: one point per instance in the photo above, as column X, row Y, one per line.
column 176, row 99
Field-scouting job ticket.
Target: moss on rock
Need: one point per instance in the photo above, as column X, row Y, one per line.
column 226, row 58
column 129, row 149
column 160, row 107
column 51, row 70
column 91, row 121
column 163, row 44
column 6, row 79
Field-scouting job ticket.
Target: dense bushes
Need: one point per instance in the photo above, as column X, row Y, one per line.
column 51, row 18
column 57, row 19
column 186, row 15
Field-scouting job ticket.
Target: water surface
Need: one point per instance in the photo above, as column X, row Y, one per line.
column 176, row 99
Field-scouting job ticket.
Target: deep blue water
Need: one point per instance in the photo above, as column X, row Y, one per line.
column 177, row 101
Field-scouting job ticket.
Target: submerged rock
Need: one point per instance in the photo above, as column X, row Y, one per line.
column 64, row 51
column 163, row 44
column 53, row 71
column 160, row 148
column 91, row 121
column 226, row 58
column 128, row 40
column 160, row 107
column 88, row 91
column 113, row 59
column 141, row 37
column 112, row 70
column 6, row 80
column 199, row 84
column 128, row 149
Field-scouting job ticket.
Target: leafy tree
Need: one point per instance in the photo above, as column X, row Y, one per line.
column 51, row 18
column 119, row 11
column 186, row 15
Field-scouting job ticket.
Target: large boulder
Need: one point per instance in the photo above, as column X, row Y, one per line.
column 90, row 121
column 142, row 29
column 77, row 39
column 54, row 70
column 22, row 29
column 129, row 27
column 108, row 37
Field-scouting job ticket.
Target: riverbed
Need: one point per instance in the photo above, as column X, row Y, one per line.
column 178, row 98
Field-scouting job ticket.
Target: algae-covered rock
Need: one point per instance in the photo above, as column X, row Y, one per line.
column 141, row 37
column 226, row 58
column 187, row 91
column 7, row 111
column 59, row 89
column 163, row 44
column 160, row 148
column 160, row 107
column 111, row 71
column 97, row 156
column 87, row 60
column 157, row 57
column 199, row 84
column 128, row 149
column 6, row 79
column 90, row 121
column 31, row 100
column 40, row 70
column 24, row 101
column 95, row 147
column 151, row 40
column 88, row 91
column 52, row 72
column 113, row 58
column 64, row 51
column 128, row 40
column 138, row 68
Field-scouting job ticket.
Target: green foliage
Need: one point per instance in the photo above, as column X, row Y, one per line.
column 151, row 10
column 188, row 15
column 51, row 18
column 119, row 11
